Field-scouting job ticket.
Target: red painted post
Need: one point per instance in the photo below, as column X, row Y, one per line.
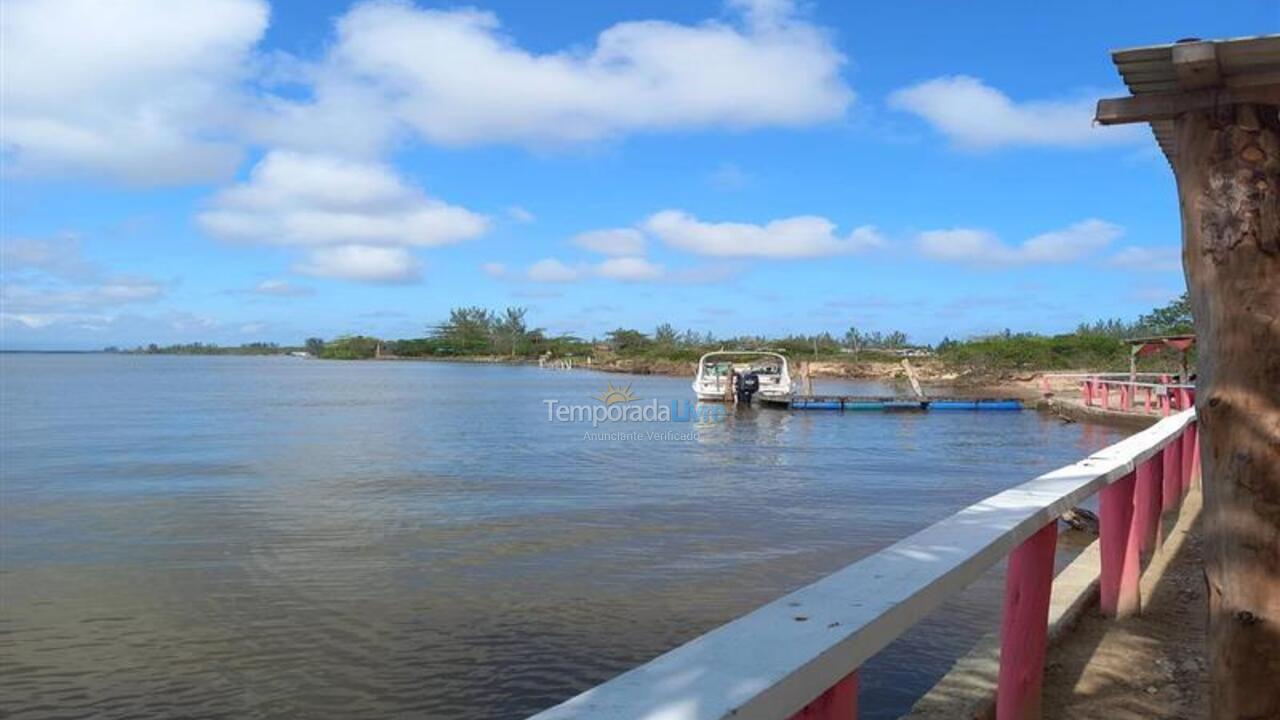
column 1195, row 458
column 1086, row 391
column 1119, row 540
column 1126, row 398
column 1171, row 475
column 1146, row 502
column 1164, row 399
column 1106, row 396
column 1188, row 453
column 839, row 702
column 1024, row 627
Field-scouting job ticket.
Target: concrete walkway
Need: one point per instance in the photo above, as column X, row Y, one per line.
column 1152, row 665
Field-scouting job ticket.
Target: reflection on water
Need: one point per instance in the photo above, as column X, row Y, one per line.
column 240, row 537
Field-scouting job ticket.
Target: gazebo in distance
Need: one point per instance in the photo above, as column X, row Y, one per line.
column 1143, row 346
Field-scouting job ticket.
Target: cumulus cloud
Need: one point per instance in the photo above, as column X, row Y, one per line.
column 982, row 247
column 358, row 218
column 551, row 270
column 362, row 263
column 298, row 199
column 1148, row 258
column 803, row 236
column 139, row 91
column 976, row 116
column 630, row 269
column 394, row 65
column 612, row 241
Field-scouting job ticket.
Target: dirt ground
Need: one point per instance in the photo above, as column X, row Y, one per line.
column 1152, row 665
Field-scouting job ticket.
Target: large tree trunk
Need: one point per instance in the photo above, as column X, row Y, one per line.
column 1228, row 169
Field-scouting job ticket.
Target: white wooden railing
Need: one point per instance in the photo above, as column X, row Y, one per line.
column 798, row 656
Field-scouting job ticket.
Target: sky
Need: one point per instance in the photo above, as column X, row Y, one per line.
column 236, row 170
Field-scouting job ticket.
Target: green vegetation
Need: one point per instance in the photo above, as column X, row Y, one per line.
column 255, row 348
column 475, row 332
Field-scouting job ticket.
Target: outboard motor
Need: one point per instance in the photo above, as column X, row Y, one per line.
column 748, row 385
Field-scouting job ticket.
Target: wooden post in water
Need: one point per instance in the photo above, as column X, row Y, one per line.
column 1024, row 627
column 1119, row 538
column 840, row 702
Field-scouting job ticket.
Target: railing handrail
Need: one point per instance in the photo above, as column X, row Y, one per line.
column 773, row 661
column 1102, row 374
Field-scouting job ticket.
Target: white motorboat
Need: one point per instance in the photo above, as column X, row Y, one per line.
column 740, row 375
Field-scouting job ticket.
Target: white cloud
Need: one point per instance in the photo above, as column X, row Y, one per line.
column 981, row 247
column 494, row 269
column 59, row 257
column 976, row 116
column 276, row 287
column 456, row 78
column 347, row 211
column 139, row 91
column 521, row 215
column 1148, row 258
column 362, row 263
column 630, row 269
column 803, row 236
column 551, row 270
column 48, row 279
column 612, row 241
column 297, row 199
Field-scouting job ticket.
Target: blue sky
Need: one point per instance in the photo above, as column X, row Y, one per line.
column 233, row 170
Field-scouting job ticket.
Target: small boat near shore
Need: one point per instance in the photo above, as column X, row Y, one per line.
column 743, row 375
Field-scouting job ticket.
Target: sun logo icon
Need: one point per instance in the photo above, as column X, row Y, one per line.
column 614, row 395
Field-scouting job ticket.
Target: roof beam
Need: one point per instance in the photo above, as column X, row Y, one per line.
column 1196, row 65
column 1166, row 106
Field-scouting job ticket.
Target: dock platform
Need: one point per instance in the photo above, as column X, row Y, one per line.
column 899, row 404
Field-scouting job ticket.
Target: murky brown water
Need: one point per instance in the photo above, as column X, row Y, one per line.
column 239, row 537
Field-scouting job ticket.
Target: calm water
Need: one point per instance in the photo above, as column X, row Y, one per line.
column 244, row 537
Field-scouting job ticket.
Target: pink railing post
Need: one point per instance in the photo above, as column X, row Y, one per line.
column 1146, row 504
column 1195, row 457
column 1188, row 444
column 1171, row 475
column 1126, row 398
column 1024, row 627
column 1165, row 400
column 1086, row 391
column 1119, row 538
column 1106, row 396
column 839, row 702
column 1148, row 400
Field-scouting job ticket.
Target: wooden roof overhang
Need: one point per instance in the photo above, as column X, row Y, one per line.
column 1168, row 80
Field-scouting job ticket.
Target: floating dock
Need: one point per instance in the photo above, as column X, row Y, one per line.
column 898, row 404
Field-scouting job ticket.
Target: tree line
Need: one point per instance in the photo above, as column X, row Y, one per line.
column 476, row 331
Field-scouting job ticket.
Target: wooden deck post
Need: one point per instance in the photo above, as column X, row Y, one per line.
column 1146, row 502
column 1227, row 163
column 1024, row 628
column 840, row 702
column 1119, row 538
column 1171, row 475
